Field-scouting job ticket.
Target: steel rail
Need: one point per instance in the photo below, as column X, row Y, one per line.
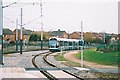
column 53, row 65
column 48, row 75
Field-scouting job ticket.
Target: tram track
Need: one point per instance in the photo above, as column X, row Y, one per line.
column 48, row 75
column 48, row 64
column 53, row 65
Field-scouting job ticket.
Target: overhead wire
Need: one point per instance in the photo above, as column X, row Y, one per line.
column 25, row 23
column 10, row 4
column 22, row 3
column 10, row 20
column 31, row 21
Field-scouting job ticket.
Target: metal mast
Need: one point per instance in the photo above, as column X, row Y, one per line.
column 104, row 37
column 16, row 34
column 21, row 34
column 41, row 24
column 1, row 33
column 82, row 44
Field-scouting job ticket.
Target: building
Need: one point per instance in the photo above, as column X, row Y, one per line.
column 114, row 37
column 25, row 36
column 60, row 34
column 75, row 35
column 8, row 35
column 97, row 35
column 46, row 35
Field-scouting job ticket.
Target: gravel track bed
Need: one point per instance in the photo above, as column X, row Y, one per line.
column 54, row 61
column 81, row 74
column 41, row 63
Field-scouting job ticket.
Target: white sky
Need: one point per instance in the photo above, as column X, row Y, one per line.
column 97, row 15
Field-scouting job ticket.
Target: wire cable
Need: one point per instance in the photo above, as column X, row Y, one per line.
column 10, row 4
column 31, row 21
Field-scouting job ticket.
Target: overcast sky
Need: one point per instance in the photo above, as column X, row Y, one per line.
column 97, row 15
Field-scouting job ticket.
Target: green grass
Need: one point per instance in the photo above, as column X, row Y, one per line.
column 8, row 51
column 71, row 64
column 60, row 57
column 99, row 57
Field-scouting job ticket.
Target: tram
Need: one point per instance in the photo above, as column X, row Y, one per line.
column 58, row 44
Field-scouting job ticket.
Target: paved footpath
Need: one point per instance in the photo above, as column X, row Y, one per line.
column 15, row 64
column 20, row 60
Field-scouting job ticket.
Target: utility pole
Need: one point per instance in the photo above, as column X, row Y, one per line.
column 16, row 34
column 41, row 24
column 21, row 34
column 1, row 33
column 104, row 37
column 82, row 44
column 58, row 33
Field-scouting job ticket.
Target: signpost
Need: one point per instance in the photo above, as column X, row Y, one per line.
column 1, row 33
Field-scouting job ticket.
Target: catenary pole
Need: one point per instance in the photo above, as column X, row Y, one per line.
column 41, row 24
column 16, row 34
column 1, row 33
column 21, row 34
column 82, row 44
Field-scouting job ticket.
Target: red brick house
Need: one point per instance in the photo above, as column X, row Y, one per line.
column 8, row 35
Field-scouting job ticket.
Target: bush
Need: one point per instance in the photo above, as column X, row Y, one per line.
column 109, row 48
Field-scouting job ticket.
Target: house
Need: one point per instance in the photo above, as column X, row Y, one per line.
column 97, row 35
column 46, row 35
column 8, row 35
column 25, row 36
column 75, row 35
column 60, row 34
column 114, row 37
column 87, row 35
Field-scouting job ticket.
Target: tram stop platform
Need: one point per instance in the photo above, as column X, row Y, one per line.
column 19, row 73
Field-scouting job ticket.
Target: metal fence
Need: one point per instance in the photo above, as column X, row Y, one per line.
column 27, row 46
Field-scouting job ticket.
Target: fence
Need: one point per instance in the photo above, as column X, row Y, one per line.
column 27, row 46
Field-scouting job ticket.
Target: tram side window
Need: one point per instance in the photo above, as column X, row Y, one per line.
column 75, row 43
column 61, row 43
column 65, row 43
column 70, row 43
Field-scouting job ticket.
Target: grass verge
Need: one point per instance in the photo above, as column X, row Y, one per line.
column 60, row 58
column 100, row 57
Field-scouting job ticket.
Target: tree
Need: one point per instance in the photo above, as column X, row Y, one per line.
column 107, row 39
column 97, row 40
column 33, row 37
column 88, row 37
column 37, row 37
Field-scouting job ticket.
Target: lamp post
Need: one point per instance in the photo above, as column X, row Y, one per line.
column 1, row 33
